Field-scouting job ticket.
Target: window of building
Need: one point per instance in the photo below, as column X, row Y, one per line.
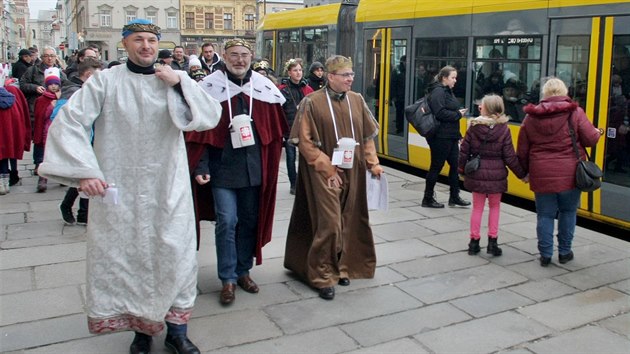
column 249, row 22
column 105, row 18
column 171, row 19
column 227, row 21
column 190, row 20
column 151, row 15
column 209, row 20
column 130, row 15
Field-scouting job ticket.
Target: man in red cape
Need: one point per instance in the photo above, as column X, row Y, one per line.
column 242, row 177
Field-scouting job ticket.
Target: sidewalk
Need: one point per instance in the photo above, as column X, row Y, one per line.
column 428, row 295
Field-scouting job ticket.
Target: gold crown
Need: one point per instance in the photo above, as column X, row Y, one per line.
column 237, row 42
column 338, row 62
column 261, row 65
column 291, row 62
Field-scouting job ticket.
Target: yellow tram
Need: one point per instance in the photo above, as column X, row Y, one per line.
column 500, row 46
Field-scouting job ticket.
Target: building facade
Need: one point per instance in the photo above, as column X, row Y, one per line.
column 14, row 16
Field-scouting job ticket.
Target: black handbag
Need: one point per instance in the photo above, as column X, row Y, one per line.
column 587, row 174
column 420, row 116
column 474, row 160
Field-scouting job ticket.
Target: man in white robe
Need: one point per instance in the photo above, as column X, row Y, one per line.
column 141, row 260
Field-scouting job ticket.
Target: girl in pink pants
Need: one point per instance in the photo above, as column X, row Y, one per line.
column 488, row 137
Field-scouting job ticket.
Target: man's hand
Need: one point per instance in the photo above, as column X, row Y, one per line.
column 41, row 89
column 335, row 181
column 376, row 170
column 92, row 186
column 167, row 74
column 202, row 179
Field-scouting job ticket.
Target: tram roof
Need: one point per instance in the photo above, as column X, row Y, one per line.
column 307, row 17
column 384, row 10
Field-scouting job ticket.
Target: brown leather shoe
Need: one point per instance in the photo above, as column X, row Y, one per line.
column 247, row 284
column 227, row 293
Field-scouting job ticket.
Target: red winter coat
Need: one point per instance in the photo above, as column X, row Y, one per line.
column 544, row 144
column 15, row 127
column 42, row 112
column 496, row 153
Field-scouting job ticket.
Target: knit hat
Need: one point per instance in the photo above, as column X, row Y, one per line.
column 198, row 74
column 52, row 77
column 193, row 61
column 24, row 52
column 164, row 54
column 316, row 65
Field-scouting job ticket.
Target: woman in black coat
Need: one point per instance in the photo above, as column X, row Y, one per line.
column 444, row 143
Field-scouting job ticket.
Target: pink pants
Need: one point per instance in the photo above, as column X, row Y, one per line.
column 494, row 204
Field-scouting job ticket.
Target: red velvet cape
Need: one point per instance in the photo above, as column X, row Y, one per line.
column 15, row 127
column 270, row 125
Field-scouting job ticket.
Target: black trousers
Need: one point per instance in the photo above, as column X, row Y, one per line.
column 443, row 150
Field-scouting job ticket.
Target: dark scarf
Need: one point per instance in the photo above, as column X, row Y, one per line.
column 144, row 70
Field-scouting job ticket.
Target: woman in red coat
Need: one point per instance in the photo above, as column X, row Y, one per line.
column 545, row 150
column 15, row 134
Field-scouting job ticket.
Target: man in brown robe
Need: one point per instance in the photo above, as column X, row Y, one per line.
column 330, row 239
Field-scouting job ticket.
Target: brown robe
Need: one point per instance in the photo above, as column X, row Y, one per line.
column 329, row 233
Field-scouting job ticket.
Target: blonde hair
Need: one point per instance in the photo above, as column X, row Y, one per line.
column 493, row 105
column 554, row 87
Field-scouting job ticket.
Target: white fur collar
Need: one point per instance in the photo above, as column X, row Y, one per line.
column 264, row 90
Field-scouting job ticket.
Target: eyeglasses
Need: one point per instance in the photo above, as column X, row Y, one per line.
column 91, row 57
column 48, row 55
column 345, row 75
column 237, row 56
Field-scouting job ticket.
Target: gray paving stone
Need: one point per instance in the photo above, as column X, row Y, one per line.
column 47, row 215
column 33, row 230
column 589, row 339
column 484, row 335
column 618, row 324
column 404, row 345
column 491, row 302
column 271, row 294
column 114, row 343
column 403, row 204
column 407, row 323
column 597, row 276
column 15, row 280
column 403, row 250
column 510, row 255
column 525, row 229
column 400, row 231
column 527, row 245
column 327, row 340
column 28, row 306
column 544, row 289
column 219, row 331
column 34, row 256
column 43, row 241
column 61, row 274
column 448, row 286
column 393, row 215
column 623, row 286
column 533, row 271
column 345, row 308
column 594, row 254
column 561, row 314
column 447, row 224
column 34, row 334
column 11, row 218
column 422, row 267
column 7, row 207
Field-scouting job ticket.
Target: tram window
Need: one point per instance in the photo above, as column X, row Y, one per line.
column 572, row 65
column 267, row 44
column 315, row 45
column 509, row 67
column 432, row 55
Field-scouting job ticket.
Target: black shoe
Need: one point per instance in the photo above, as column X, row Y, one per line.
column 81, row 219
column 544, row 261
column 493, row 248
column 565, row 258
column 180, row 344
column 66, row 214
column 344, row 281
column 14, row 178
column 430, row 202
column 457, row 201
column 327, row 293
column 141, row 344
column 473, row 247
column 292, row 190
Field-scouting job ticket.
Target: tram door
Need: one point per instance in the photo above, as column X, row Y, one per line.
column 592, row 56
column 387, row 86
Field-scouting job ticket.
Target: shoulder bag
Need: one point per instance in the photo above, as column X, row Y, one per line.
column 421, row 117
column 474, row 160
column 587, row 174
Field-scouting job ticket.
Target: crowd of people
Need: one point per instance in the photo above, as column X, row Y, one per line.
column 168, row 140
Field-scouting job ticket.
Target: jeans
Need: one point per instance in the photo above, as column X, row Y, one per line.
column 443, row 150
column 291, row 152
column 562, row 205
column 38, row 154
column 235, row 231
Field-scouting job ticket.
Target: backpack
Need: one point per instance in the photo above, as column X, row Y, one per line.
column 421, row 117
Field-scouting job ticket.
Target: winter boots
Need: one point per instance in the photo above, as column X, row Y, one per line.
column 493, row 247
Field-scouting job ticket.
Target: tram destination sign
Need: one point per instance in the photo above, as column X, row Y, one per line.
column 514, row 40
